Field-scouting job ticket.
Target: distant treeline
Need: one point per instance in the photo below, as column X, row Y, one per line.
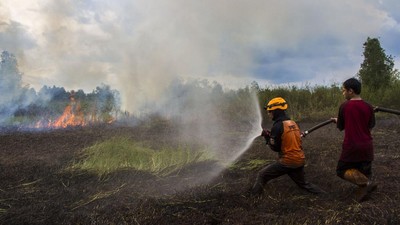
column 21, row 105
column 322, row 102
column 380, row 87
column 101, row 105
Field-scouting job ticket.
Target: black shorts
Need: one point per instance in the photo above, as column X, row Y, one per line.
column 364, row 167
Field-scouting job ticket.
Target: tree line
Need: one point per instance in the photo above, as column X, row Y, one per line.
column 380, row 87
column 380, row 80
column 22, row 104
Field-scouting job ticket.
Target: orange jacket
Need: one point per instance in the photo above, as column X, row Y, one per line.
column 291, row 149
column 286, row 140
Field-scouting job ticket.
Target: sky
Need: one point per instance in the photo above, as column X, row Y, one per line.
column 139, row 46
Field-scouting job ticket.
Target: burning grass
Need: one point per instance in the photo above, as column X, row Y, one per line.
column 123, row 153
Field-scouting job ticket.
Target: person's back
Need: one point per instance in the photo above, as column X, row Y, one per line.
column 291, row 147
column 356, row 119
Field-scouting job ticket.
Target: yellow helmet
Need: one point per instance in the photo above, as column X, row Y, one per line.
column 276, row 103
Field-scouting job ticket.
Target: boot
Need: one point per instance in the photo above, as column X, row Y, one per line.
column 371, row 187
column 361, row 193
column 257, row 189
column 315, row 189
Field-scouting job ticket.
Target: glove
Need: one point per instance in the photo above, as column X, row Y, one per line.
column 266, row 134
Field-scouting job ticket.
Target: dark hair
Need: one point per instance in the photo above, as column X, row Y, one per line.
column 277, row 113
column 353, row 84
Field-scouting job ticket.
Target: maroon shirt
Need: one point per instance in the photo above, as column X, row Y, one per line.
column 356, row 118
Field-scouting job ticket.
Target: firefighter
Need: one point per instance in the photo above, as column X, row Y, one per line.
column 285, row 139
column 356, row 117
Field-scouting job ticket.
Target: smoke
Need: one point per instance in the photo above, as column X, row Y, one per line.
column 137, row 48
column 140, row 47
column 224, row 121
column 143, row 48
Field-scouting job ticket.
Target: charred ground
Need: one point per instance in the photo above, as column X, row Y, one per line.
column 37, row 188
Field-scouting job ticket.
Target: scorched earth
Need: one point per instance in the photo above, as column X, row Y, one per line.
column 36, row 187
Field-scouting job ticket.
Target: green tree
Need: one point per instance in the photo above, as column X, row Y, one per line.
column 377, row 68
column 104, row 102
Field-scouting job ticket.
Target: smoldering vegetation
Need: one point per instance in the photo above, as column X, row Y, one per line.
column 39, row 187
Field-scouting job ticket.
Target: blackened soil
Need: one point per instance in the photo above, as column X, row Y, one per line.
column 36, row 186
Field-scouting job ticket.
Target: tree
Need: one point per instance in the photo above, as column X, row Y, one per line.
column 10, row 85
column 10, row 77
column 104, row 102
column 377, row 68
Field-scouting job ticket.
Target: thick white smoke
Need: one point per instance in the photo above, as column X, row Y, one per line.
column 139, row 47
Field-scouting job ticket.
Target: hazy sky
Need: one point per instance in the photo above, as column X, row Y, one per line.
column 139, row 46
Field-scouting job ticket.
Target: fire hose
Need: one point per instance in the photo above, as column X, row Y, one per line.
column 376, row 109
column 266, row 133
column 305, row 133
column 380, row 109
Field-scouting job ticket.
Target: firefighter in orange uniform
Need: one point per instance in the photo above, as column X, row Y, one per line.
column 284, row 138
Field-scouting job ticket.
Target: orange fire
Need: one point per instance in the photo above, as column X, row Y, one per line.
column 72, row 116
column 69, row 118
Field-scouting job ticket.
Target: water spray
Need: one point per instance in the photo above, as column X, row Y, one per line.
column 255, row 124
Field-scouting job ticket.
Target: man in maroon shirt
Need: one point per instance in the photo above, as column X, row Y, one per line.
column 356, row 117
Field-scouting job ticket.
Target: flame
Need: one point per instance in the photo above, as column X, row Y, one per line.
column 70, row 117
column 73, row 116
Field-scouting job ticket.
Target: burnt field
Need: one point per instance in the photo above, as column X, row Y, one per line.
column 36, row 187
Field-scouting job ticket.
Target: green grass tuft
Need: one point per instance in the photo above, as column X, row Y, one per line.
column 251, row 164
column 122, row 153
